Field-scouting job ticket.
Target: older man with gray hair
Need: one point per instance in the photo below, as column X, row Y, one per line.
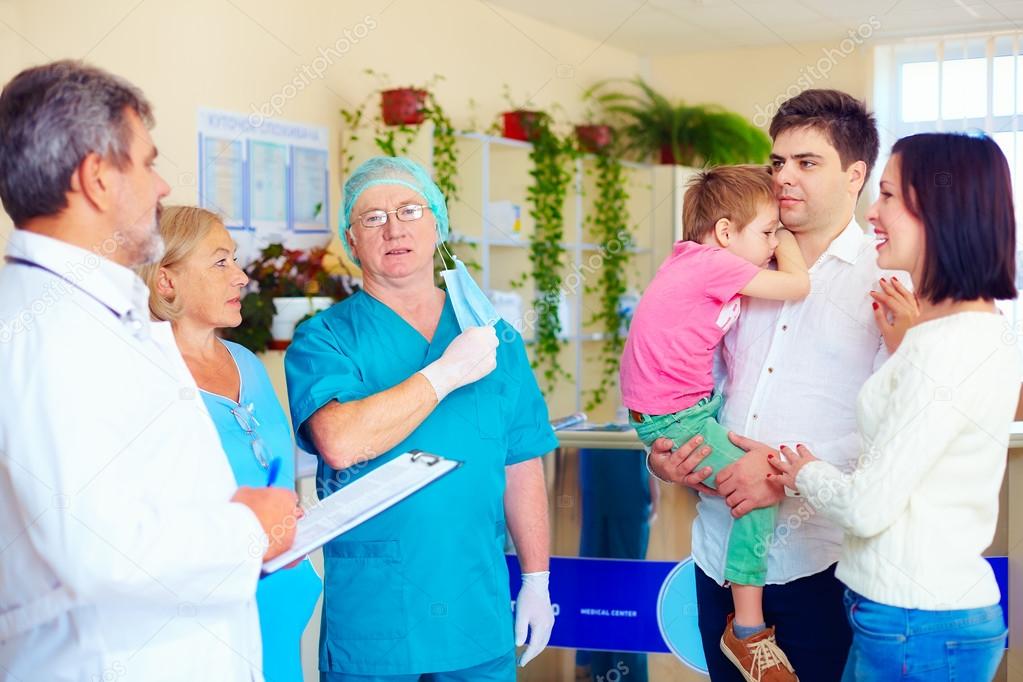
column 126, row 550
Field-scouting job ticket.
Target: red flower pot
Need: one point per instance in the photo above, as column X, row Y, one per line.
column 594, row 138
column 521, row 124
column 403, row 106
column 668, row 155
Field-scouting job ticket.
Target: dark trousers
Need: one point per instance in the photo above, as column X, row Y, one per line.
column 809, row 618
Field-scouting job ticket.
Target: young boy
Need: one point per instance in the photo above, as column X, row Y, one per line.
column 730, row 233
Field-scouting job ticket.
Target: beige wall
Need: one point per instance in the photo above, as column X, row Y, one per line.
column 244, row 55
column 240, row 54
column 752, row 82
column 12, row 58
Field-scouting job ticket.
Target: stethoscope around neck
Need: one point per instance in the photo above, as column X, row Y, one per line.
column 137, row 327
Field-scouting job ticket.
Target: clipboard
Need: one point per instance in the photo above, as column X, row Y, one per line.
column 361, row 500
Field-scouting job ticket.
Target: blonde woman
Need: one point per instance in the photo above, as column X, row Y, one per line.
column 197, row 286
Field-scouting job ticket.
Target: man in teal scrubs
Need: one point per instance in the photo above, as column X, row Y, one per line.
column 421, row 591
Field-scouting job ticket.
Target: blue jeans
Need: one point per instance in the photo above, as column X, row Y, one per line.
column 892, row 643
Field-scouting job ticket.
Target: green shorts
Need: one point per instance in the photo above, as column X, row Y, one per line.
column 750, row 536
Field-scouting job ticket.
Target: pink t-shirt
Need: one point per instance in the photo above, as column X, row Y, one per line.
column 668, row 363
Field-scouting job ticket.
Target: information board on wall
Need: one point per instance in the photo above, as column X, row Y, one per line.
column 269, row 180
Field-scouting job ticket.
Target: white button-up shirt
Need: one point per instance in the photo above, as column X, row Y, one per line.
column 793, row 371
column 121, row 556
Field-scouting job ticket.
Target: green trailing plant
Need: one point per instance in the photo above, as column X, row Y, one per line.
column 352, row 133
column 608, row 228
column 551, row 157
column 445, row 151
column 691, row 135
column 395, row 140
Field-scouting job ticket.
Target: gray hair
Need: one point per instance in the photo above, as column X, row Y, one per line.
column 51, row 118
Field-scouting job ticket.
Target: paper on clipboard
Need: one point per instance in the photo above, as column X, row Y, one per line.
column 361, row 500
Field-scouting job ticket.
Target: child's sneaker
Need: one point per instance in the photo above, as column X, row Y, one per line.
column 758, row 657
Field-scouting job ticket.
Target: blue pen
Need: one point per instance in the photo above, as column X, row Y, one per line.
column 275, row 467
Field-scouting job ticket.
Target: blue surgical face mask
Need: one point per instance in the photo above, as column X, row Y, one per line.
column 472, row 307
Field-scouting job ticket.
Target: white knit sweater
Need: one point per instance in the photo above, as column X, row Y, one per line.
column 922, row 504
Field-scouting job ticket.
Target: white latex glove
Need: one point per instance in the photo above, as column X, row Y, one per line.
column 471, row 356
column 533, row 611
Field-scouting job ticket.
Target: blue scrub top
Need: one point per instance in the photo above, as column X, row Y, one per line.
column 422, row 587
column 286, row 599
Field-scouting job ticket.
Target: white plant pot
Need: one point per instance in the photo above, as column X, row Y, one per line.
column 291, row 309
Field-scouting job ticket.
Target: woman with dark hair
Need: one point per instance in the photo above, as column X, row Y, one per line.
column 921, row 505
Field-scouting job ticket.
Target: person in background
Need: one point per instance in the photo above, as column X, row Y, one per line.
column 129, row 551
column 421, row 591
column 921, row 505
column 197, row 287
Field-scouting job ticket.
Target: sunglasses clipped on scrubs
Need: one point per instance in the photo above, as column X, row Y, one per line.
column 248, row 422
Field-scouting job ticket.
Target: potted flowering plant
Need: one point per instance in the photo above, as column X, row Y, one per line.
column 286, row 287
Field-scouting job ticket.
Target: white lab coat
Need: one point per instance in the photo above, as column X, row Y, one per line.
column 121, row 556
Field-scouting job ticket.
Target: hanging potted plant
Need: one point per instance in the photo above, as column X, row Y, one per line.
column 286, row 286
column 520, row 122
column 403, row 106
column 594, row 138
column 402, row 111
column 679, row 133
column 608, row 227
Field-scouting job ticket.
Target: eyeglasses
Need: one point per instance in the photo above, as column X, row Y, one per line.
column 247, row 420
column 406, row 214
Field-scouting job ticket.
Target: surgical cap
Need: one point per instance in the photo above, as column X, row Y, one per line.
column 392, row 170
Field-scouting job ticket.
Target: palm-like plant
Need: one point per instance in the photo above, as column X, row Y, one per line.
column 691, row 135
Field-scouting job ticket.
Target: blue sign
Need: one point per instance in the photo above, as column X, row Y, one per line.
column 641, row 606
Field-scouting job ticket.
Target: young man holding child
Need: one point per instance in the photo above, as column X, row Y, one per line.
column 793, row 372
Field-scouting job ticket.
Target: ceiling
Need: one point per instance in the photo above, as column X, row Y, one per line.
column 659, row 27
